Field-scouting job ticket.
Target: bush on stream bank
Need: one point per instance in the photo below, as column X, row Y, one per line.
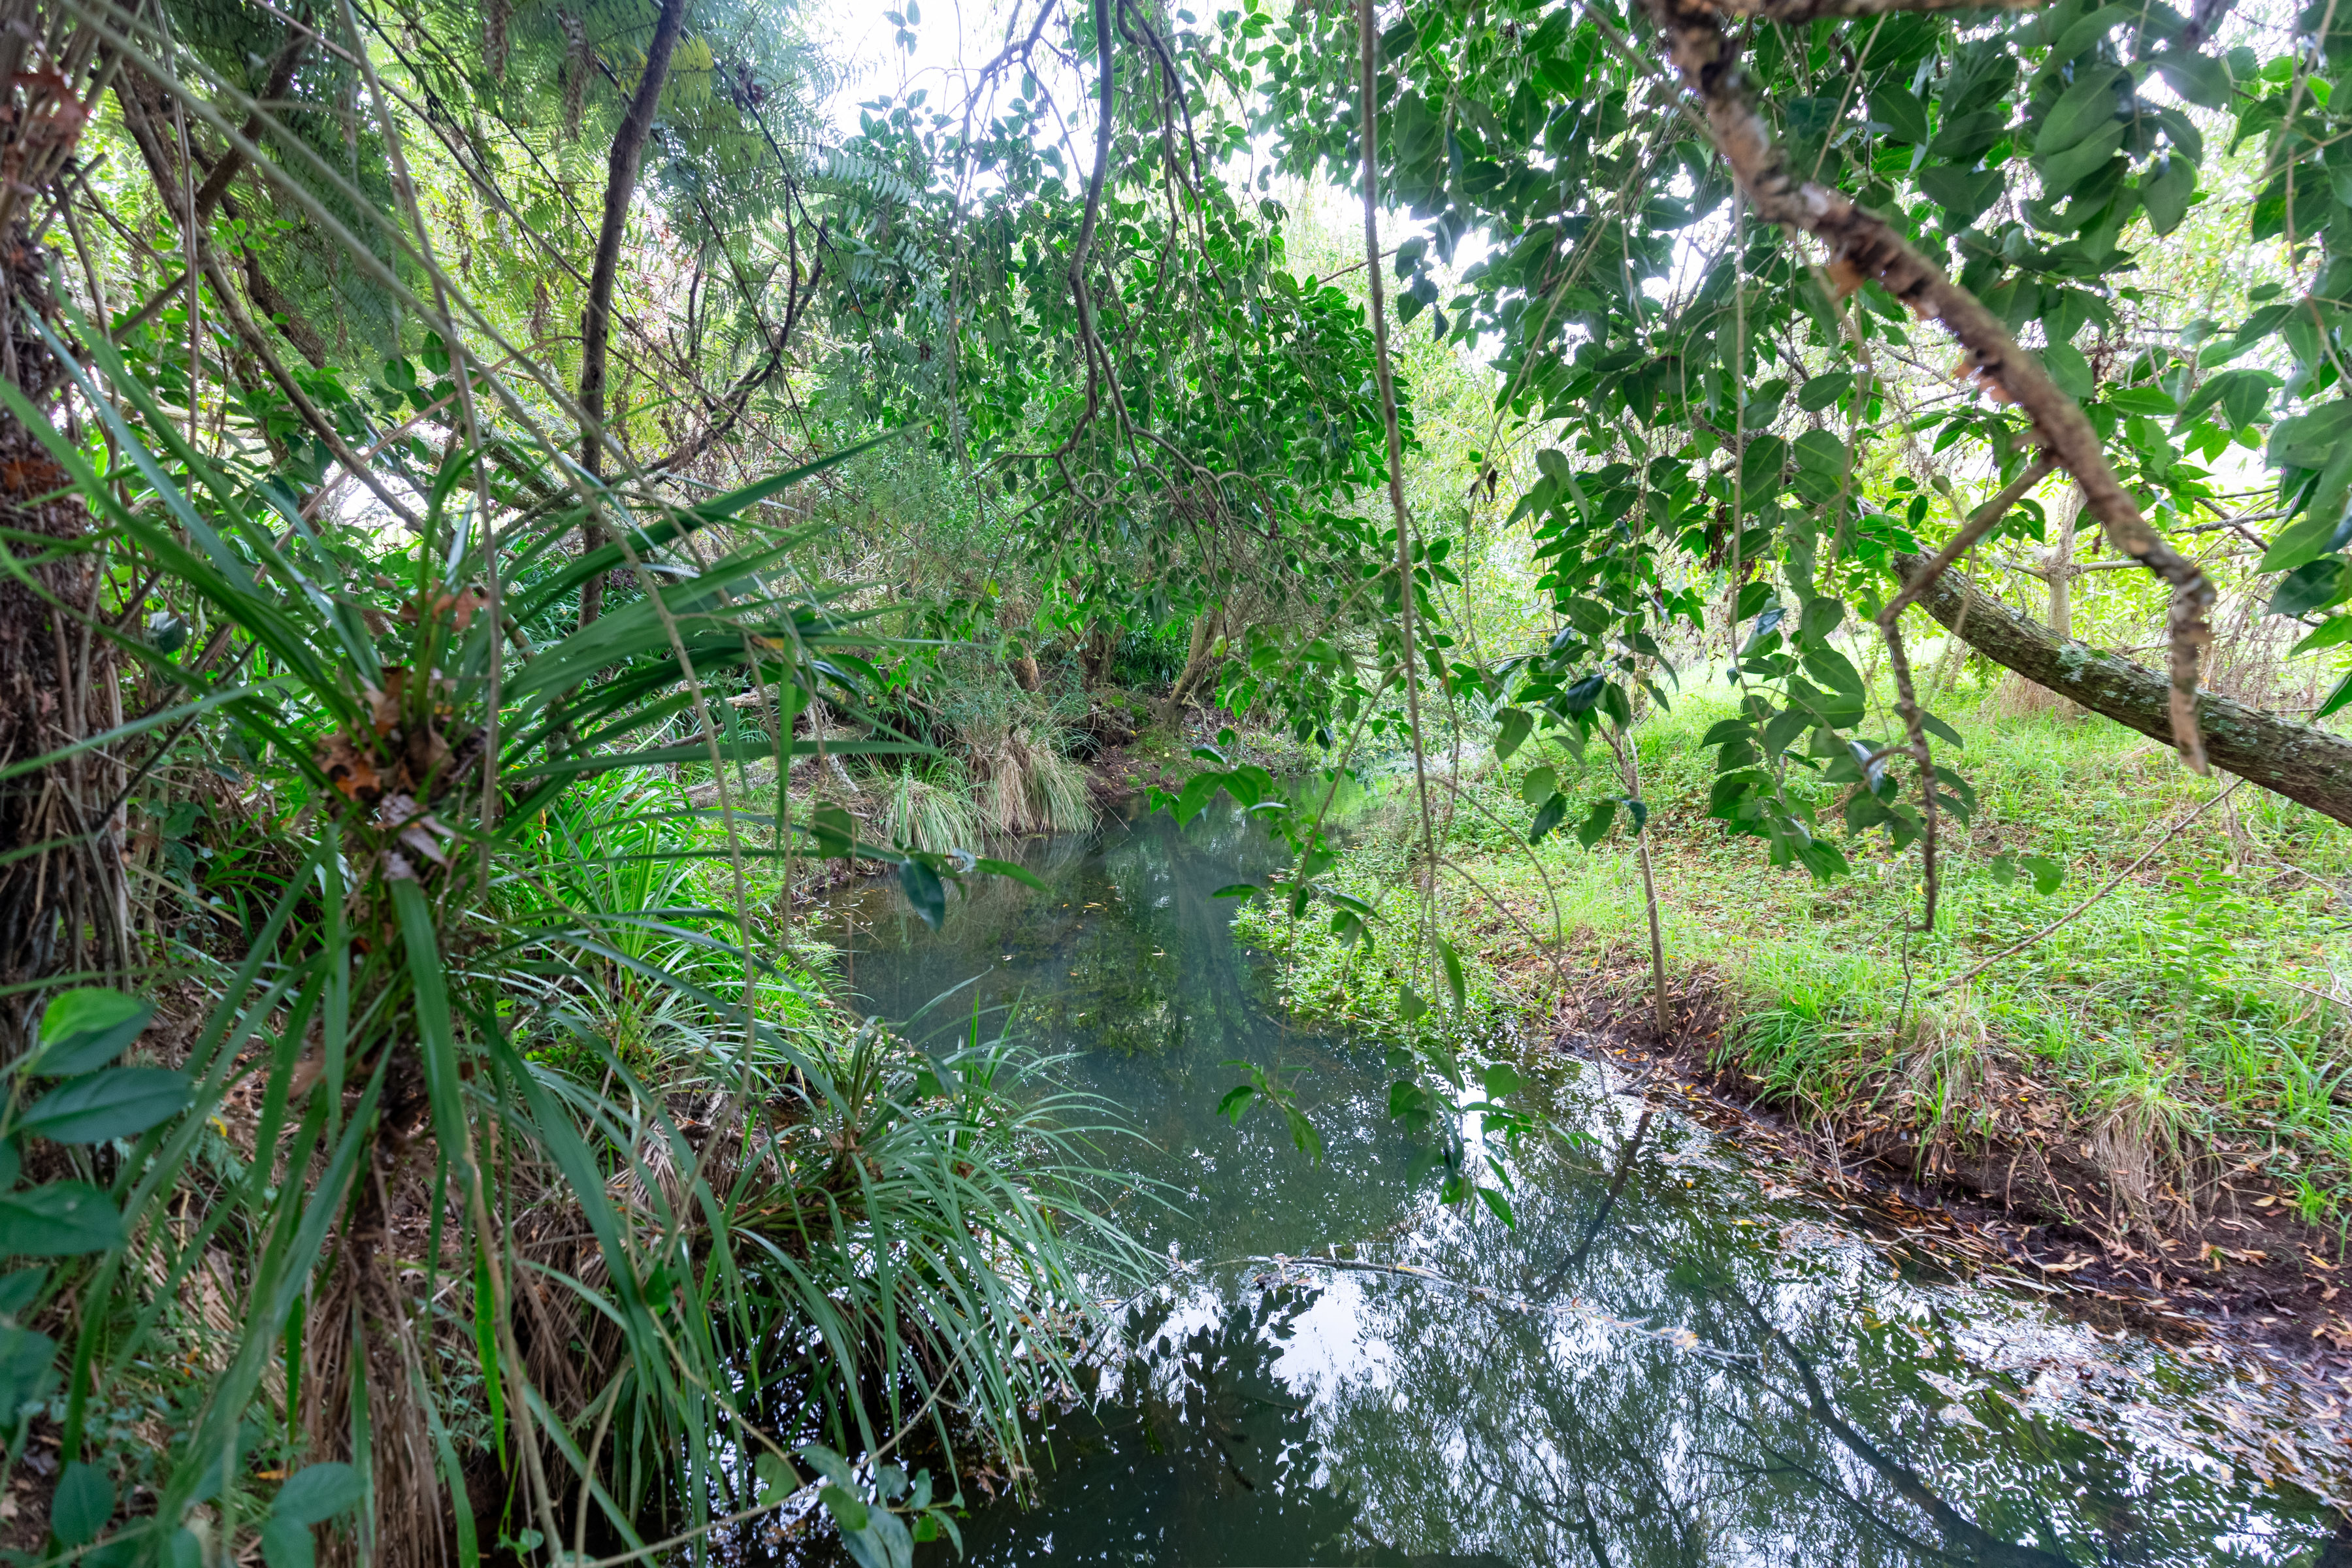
column 2179, row 1029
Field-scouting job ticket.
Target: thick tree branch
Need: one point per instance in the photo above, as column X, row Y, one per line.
column 597, row 321
column 1864, row 247
column 2302, row 762
column 282, row 78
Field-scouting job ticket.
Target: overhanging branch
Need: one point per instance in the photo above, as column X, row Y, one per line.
column 2303, row 763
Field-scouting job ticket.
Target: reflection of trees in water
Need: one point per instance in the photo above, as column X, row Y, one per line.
column 1205, row 1448
column 1819, row 1436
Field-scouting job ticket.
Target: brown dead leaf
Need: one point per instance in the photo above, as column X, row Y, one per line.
column 350, row 770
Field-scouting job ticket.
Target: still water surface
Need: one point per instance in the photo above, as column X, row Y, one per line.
column 1725, row 1377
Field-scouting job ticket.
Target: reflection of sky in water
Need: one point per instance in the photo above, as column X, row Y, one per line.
column 1650, row 1406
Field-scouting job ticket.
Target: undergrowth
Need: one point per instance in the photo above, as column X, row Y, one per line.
column 2189, row 1021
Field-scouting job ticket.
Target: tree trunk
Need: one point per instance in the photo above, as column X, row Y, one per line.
column 597, row 321
column 2059, row 565
column 63, row 903
column 2302, row 762
column 1196, row 662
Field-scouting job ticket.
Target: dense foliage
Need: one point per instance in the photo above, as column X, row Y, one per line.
column 497, row 500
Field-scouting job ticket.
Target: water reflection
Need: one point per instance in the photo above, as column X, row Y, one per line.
column 1717, row 1378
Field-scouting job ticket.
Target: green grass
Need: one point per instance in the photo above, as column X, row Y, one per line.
column 2163, row 1028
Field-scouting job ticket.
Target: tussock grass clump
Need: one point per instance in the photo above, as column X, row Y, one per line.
column 1029, row 786
column 935, row 814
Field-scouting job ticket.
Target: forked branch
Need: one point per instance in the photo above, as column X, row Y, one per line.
column 1864, row 247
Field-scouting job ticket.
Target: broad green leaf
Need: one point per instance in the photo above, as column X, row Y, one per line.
column 1597, row 822
column 287, row 1543
column 316, row 1493
column 1019, row 873
column 2313, row 586
column 2311, row 440
column 1197, row 791
column 1540, row 785
column 1547, row 818
column 1451, row 962
column 2338, row 698
column 85, row 1029
column 1901, row 113
column 118, row 1103
column 847, row 1508
column 57, row 1219
column 2318, row 532
column 1820, row 391
column 2165, row 191
column 82, row 1505
column 2332, row 632
column 2085, row 110
column 1411, row 1005
column 2070, row 369
column 925, row 893
column 1512, row 728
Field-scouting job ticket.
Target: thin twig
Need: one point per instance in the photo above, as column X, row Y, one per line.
column 2112, row 883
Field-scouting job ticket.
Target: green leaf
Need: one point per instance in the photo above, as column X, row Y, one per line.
column 925, row 893
column 1021, row 874
column 1759, row 467
column 27, row 1371
column 1451, row 962
column 1411, row 1005
column 2004, row 870
column 1235, row 1101
column 1197, row 791
column 1236, row 890
column 1498, row 1205
column 118, row 1103
column 1499, row 1079
column 1941, row 731
column 2070, row 369
column 2312, row 587
column 1822, row 616
column 1901, row 113
column 1540, row 785
column 1596, row 822
column 57, row 1219
column 2335, row 630
column 316, row 1493
column 2083, row 111
column 775, row 1478
column 82, row 1505
column 1512, row 727
column 2318, row 532
column 2310, row 440
column 1960, row 194
column 2339, row 697
column 2165, row 191
column 83, row 1030
column 847, row 1507
column 2049, row 876
column 2200, row 79
column 2062, row 173
column 1820, row 391
column 1547, row 818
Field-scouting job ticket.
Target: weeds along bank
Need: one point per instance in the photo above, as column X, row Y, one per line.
column 2174, row 1062
column 572, row 1175
column 491, row 1173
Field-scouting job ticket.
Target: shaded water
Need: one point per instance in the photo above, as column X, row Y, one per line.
column 1725, row 1377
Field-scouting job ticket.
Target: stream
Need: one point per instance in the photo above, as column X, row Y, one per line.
column 1337, row 1369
